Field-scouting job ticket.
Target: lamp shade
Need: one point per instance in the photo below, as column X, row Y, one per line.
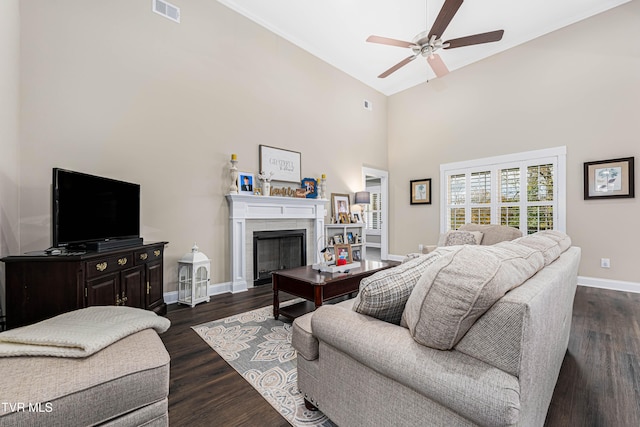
column 363, row 198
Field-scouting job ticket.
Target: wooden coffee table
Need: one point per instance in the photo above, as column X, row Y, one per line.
column 317, row 287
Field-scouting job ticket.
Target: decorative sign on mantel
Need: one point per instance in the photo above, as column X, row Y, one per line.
column 283, row 165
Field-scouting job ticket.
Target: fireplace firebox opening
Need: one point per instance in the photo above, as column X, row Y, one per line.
column 277, row 250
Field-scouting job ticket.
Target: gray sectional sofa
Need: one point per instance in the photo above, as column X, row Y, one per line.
column 480, row 340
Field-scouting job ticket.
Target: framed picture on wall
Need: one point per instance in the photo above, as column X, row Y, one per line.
column 611, row 179
column 280, row 164
column 245, row 182
column 420, row 191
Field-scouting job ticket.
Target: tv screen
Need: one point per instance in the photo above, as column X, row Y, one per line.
column 88, row 208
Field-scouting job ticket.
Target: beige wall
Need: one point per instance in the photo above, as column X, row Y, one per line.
column 578, row 87
column 9, row 126
column 111, row 88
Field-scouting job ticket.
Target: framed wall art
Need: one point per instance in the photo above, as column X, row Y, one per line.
column 245, row 182
column 420, row 191
column 612, row 179
column 280, row 164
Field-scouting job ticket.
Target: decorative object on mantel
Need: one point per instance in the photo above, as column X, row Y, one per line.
column 420, row 191
column 266, row 182
column 288, row 192
column 233, row 189
column 193, row 277
column 310, row 185
column 611, row 179
column 283, row 165
column 322, row 183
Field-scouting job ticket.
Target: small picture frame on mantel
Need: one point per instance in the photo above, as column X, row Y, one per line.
column 245, row 183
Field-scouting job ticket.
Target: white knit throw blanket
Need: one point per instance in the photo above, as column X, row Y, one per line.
column 79, row 333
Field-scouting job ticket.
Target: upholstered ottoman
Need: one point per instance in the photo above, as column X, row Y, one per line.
column 124, row 384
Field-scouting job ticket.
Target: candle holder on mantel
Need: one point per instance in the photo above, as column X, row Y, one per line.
column 323, row 187
column 233, row 189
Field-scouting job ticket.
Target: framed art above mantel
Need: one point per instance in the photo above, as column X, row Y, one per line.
column 280, row 164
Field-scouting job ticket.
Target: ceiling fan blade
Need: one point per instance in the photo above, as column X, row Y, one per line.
column 396, row 67
column 388, row 41
column 448, row 11
column 491, row 36
column 437, row 65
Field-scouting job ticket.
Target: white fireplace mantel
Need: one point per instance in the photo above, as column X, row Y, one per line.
column 247, row 207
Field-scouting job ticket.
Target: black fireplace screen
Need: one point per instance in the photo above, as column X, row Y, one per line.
column 277, row 250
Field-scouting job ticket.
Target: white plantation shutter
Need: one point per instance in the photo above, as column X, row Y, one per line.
column 518, row 190
column 374, row 212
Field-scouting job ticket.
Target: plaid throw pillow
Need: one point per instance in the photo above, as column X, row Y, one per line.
column 384, row 294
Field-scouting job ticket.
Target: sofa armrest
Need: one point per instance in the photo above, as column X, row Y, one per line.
column 468, row 386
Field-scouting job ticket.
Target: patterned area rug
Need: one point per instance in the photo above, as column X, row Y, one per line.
column 259, row 348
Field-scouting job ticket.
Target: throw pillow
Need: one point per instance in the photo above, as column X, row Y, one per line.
column 461, row 286
column 384, row 294
column 457, row 237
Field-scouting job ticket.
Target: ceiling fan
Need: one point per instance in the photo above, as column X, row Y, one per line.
column 428, row 42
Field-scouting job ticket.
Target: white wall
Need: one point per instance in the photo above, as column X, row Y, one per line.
column 577, row 87
column 9, row 127
column 113, row 89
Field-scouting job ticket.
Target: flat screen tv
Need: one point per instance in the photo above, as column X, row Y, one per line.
column 88, row 209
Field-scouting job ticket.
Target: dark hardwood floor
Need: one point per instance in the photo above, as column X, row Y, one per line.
column 599, row 384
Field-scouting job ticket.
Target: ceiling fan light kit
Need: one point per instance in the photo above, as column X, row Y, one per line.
column 427, row 43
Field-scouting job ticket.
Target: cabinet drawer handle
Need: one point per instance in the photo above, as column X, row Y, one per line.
column 143, row 256
column 156, row 252
column 101, row 266
column 122, row 261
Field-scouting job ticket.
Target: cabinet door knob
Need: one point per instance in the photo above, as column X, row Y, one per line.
column 122, row 261
column 156, row 252
column 101, row 266
column 143, row 256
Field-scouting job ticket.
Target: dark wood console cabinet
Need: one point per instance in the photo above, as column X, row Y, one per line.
column 39, row 286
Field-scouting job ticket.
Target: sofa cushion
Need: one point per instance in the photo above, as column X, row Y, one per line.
column 458, row 237
column 493, row 233
column 463, row 284
column 384, row 294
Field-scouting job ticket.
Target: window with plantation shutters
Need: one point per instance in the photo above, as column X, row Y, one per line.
column 521, row 190
column 374, row 211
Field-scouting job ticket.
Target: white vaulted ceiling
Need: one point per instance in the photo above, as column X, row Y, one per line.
column 335, row 30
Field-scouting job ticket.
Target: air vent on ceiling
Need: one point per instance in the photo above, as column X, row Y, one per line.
column 166, row 9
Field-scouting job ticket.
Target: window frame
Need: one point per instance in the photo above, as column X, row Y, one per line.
column 556, row 156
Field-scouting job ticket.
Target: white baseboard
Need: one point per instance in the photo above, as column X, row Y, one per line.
column 215, row 289
column 399, row 258
column 614, row 285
